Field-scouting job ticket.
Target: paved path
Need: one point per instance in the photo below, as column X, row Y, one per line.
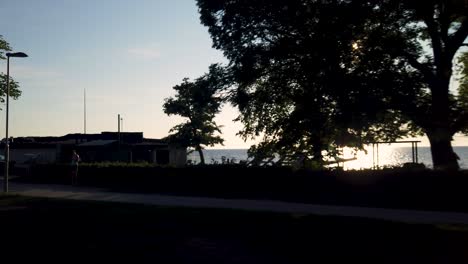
column 96, row 194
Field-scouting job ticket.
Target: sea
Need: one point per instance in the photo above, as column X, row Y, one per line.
column 388, row 156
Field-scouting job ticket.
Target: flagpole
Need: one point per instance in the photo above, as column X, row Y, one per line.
column 84, row 111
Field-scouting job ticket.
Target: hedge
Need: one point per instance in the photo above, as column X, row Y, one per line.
column 394, row 188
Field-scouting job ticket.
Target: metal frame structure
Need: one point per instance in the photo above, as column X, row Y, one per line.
column 375, row 150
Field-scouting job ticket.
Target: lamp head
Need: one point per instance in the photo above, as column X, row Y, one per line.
column 16, row 54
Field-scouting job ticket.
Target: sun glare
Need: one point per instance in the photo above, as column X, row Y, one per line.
column 355, row 46
column 383, row 157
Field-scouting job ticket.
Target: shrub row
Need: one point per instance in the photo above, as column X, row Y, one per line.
column 397, row 188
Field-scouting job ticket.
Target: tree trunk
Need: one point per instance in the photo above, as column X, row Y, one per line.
column 439, row 132
column 202, row 157
column 317, row 158
column 443, row 156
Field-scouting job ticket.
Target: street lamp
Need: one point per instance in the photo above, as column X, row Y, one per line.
column 7, row 144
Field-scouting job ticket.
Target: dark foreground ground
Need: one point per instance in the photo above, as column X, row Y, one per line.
column 93, row 232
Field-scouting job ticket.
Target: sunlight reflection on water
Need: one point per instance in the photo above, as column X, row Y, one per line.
column 389, row 155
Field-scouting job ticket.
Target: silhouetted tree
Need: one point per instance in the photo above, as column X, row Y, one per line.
column 15, row 93
column 315, row 74
column 197, row 101
column 442, row 25
column 288, row 61
column 4, row 47
column 463, row 89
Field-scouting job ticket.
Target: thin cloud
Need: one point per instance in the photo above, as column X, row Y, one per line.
column 34, row 72
column 145, row 53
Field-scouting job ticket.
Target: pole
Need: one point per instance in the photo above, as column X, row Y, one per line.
column 85, row 111
column 7, row 144
column 118, row 127
column 373, row 156
column 416, row 151
column 378, row 161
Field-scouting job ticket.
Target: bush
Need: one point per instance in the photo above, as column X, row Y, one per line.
column 396, row 188
column 414, row 166
column 142, row 164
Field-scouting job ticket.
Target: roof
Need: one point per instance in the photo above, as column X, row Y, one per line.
column 151, row 144
column 97, row 143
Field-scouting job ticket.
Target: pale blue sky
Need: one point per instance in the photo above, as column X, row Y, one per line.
column 126, row 54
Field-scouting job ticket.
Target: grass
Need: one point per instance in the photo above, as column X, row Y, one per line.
column 103, row 231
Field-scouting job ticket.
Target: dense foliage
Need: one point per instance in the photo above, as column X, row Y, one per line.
column 15, row 93
column 311, row 76
column 463, row 88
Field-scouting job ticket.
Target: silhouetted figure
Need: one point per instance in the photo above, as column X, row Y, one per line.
column 74, row 167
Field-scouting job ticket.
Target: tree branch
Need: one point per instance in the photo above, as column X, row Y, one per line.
column 444, row 22
column 435, row 36
column 424, row 68
column 456, row 39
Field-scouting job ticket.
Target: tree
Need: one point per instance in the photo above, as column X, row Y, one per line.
column 15, row 93
column 197, row 101
column 443, row 24
column 463, row 88
column 4, row 46
column 315, row 74
column 287, row 61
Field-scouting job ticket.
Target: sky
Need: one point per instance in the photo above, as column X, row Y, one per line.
column 126, row 54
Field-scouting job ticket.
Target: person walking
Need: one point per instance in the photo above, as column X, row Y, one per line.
column 74, row 167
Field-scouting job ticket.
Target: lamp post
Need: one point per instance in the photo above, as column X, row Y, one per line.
column 118, row 128
column 7, row 143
